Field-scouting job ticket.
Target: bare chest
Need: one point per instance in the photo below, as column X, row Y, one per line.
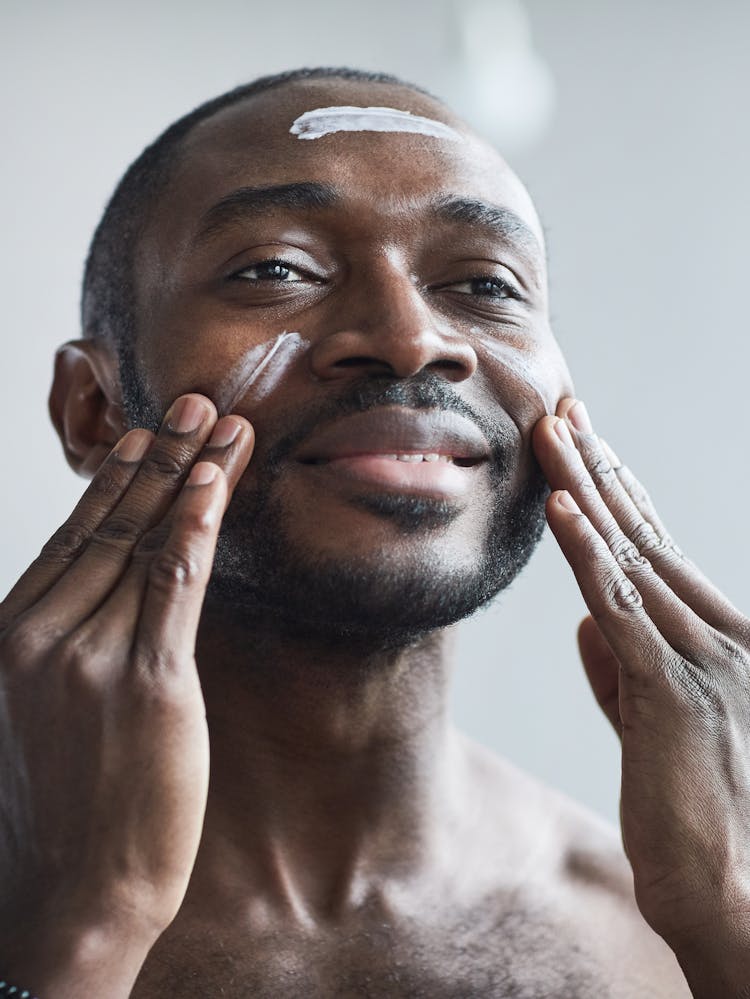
column 472, row 959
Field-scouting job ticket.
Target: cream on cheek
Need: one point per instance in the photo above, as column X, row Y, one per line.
column 544, row 374
column 259, row 370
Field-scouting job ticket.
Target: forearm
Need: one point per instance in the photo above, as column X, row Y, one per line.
column 66, row 963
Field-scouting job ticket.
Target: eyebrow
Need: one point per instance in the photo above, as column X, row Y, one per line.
column 252, row 202
column 247, row 203
column 503, row 222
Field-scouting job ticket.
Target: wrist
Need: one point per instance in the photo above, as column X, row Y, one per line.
column 714, row 973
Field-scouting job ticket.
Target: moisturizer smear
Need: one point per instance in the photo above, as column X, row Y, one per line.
column 260, row 369
column 323, row 121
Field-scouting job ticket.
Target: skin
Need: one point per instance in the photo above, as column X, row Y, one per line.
column 349, row 841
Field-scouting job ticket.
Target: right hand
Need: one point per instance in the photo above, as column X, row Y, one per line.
column 104, row 751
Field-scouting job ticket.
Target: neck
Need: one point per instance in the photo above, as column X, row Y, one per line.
column 328, row 763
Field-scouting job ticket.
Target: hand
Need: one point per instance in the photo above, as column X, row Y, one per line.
column 103, row 739
column 668, row 658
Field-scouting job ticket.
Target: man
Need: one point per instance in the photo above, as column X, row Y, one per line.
column 357, row 282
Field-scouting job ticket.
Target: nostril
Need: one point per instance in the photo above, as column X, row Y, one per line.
column 364, row 362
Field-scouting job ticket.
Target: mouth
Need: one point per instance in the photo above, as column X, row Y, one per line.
column 428, row 452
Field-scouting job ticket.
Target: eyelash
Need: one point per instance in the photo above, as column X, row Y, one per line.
column 507, row 289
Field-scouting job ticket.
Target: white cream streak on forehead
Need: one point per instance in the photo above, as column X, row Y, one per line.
column 322, row 121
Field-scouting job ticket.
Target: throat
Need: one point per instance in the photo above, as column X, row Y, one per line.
column 322, row 772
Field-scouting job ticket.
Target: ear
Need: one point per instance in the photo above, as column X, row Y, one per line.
column 85, row 403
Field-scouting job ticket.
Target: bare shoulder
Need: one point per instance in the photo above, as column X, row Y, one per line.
column 577, row 869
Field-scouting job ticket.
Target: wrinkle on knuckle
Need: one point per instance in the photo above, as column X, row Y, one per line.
column 696, row 687
column 107, row 483
column 151, row 542
column 601, row 472
column 160, row 465
column 730, row 653
column 646, row 539
column 622, row 595
column 67, row 542
column 119, row 529
column 628, row 556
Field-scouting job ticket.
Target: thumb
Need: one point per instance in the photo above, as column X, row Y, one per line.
column 602, row 670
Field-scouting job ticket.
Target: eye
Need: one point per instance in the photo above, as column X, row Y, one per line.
column 271, row 270
column 484, row 287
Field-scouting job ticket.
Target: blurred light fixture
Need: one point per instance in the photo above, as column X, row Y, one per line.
column 498, row 81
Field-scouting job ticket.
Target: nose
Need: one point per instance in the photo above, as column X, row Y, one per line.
column 390, row 329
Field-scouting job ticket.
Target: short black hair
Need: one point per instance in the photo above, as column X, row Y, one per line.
column 108, row 297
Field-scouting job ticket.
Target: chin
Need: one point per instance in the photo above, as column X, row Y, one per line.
column 409, row 585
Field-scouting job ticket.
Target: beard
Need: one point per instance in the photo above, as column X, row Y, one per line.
column 381, row 604
column 263, row 579
column 387, row 601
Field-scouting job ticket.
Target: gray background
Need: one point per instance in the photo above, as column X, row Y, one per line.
column 640, row 175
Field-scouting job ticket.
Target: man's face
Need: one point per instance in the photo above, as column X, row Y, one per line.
column 422, row 329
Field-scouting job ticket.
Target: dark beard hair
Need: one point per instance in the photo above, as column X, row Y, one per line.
column 261, row 580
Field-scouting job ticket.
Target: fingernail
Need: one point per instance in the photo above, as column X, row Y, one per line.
column 133, row 446
column 611, row 456
column 224, row 433
column 186, row 415
column 202, row 473
column 566, row 500
column 563, row 433
column 580, row 418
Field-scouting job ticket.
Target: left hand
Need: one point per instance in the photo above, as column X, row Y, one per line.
column 668, row 658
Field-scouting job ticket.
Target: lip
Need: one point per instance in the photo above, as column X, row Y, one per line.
column 396, row 430
column 363, row 448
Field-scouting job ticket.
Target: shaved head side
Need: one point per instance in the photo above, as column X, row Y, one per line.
column 109, row 294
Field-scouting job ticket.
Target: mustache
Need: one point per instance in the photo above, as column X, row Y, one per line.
column 423, row 391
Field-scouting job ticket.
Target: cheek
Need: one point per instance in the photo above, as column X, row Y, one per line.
column 530, row 381
column 258, row 372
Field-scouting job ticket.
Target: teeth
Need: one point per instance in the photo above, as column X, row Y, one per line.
column 419, row 457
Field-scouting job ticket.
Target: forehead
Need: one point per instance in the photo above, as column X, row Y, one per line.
column 251, row 144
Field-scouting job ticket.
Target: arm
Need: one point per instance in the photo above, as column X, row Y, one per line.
column 668, row 658
column 103, row 738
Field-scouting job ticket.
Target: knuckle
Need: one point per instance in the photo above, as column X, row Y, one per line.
column 628, row 556
column 646, row 539
column 198, row 521
column 20, row 644
column 621, row 594
column 119, row 529
column 66, row 542
column 174, row 570
column 151, row 542
column 730, row 654
column 108, row 482
column 160, row 465
column 696, row 687
column 601, row 472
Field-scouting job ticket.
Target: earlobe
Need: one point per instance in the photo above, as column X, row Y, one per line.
column 85, row 403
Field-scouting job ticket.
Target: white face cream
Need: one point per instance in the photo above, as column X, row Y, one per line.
column 323, row 121
column 260, row 369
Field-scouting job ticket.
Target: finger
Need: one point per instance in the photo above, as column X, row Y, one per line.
column 117, row 618
column 625, row 595
column 602, row 670
column 157, row 481
column 179, row 574
column 634, row 513
column 565, row 469
column 102, row 495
